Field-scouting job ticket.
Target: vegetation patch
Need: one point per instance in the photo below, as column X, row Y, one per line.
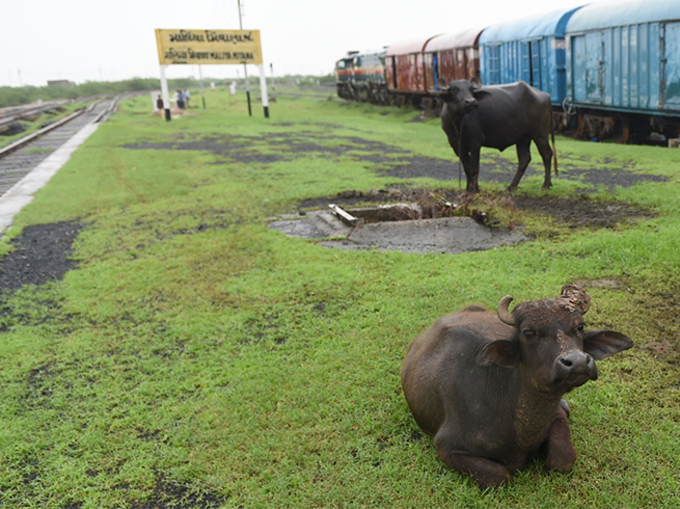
column 198, row 358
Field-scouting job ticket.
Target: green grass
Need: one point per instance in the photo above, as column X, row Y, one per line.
column 198, row 358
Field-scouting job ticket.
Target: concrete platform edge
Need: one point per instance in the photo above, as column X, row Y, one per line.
column 22, row 193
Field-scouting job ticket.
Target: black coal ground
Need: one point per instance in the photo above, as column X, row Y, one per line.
column 386, row 159
column 41, row 255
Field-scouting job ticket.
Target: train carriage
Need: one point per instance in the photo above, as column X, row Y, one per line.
column 406, row 71
column 530, row 49
column 413, row 68
column 453, row 56
column 624, row 67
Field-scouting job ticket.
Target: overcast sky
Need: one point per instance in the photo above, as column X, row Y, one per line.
column 82, row 40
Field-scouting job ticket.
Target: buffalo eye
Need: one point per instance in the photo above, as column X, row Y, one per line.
column 529, row 334
column 581, row 326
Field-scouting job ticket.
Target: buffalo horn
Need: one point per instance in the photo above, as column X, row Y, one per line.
column 503, row 313
column 576, row 297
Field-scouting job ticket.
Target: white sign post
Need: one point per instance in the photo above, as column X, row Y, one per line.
column 263, row 91
column 166, row 95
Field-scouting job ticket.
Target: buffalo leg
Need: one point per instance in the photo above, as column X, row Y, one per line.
column 472, row 170
column 465, row 160
column 546, row 155
column 487, row 473
column 561, row 453
column 523, row 160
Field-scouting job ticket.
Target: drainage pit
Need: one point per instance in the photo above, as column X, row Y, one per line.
column 405, row 227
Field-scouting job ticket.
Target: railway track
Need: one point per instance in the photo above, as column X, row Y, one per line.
column 22, row 156
column 16, row 113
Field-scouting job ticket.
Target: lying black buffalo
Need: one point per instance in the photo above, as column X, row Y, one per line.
column 489, row 387
column 497, row 116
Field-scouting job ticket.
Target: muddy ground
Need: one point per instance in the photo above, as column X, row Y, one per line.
column 41, row 253
column 386, row 159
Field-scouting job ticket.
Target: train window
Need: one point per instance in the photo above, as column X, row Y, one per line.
column 357, row 62
column 341, row 64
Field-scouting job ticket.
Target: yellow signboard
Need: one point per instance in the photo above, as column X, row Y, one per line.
column 208, row 47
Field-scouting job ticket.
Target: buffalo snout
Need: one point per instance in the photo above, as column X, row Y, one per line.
column 576, row 368
column 470, row 104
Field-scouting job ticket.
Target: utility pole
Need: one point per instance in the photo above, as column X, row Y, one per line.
column 245, row 69
column 200, row 75
column 271, row 66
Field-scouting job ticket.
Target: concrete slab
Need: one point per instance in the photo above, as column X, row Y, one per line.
column 314, row 225
column 443, row 235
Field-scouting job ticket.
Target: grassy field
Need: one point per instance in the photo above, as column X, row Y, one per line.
column 197, row 358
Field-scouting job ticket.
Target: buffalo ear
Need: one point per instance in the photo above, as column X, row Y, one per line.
column 476, row 82
column 603, row 343
column 502, row 353
column 445, row 94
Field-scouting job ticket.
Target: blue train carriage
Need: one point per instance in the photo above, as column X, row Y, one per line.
column 361, row 76
column 624, row 69
column 531, row 49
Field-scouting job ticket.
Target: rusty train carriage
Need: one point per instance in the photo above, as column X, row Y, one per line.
column 406, row 70
column 452, row 57
column 413, row 68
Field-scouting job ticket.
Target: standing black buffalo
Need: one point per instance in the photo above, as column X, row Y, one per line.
column 497, row 116
column 489, row 387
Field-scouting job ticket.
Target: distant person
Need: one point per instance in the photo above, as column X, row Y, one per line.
column 232, row 88
column 180, row 100
column 159, row 103
column 187, row 96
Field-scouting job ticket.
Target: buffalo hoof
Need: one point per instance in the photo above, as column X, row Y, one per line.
column 492, row 477
column 564, row 462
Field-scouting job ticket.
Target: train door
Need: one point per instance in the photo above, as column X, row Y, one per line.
column 395, row 83
column 525, row 62
column 435, row 70
column 535, row 49
column 494, row 64
column 595, row 68
column 461, row 65
column 670, row 66
column 588, row 68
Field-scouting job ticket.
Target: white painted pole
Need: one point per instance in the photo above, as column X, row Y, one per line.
column 166, row 95
column 263, row 91
column 245, row 69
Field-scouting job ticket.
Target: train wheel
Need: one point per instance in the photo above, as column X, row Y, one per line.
column 581, row 125
column 621, row 129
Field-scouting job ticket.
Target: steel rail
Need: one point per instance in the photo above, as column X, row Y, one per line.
column 27, row 139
